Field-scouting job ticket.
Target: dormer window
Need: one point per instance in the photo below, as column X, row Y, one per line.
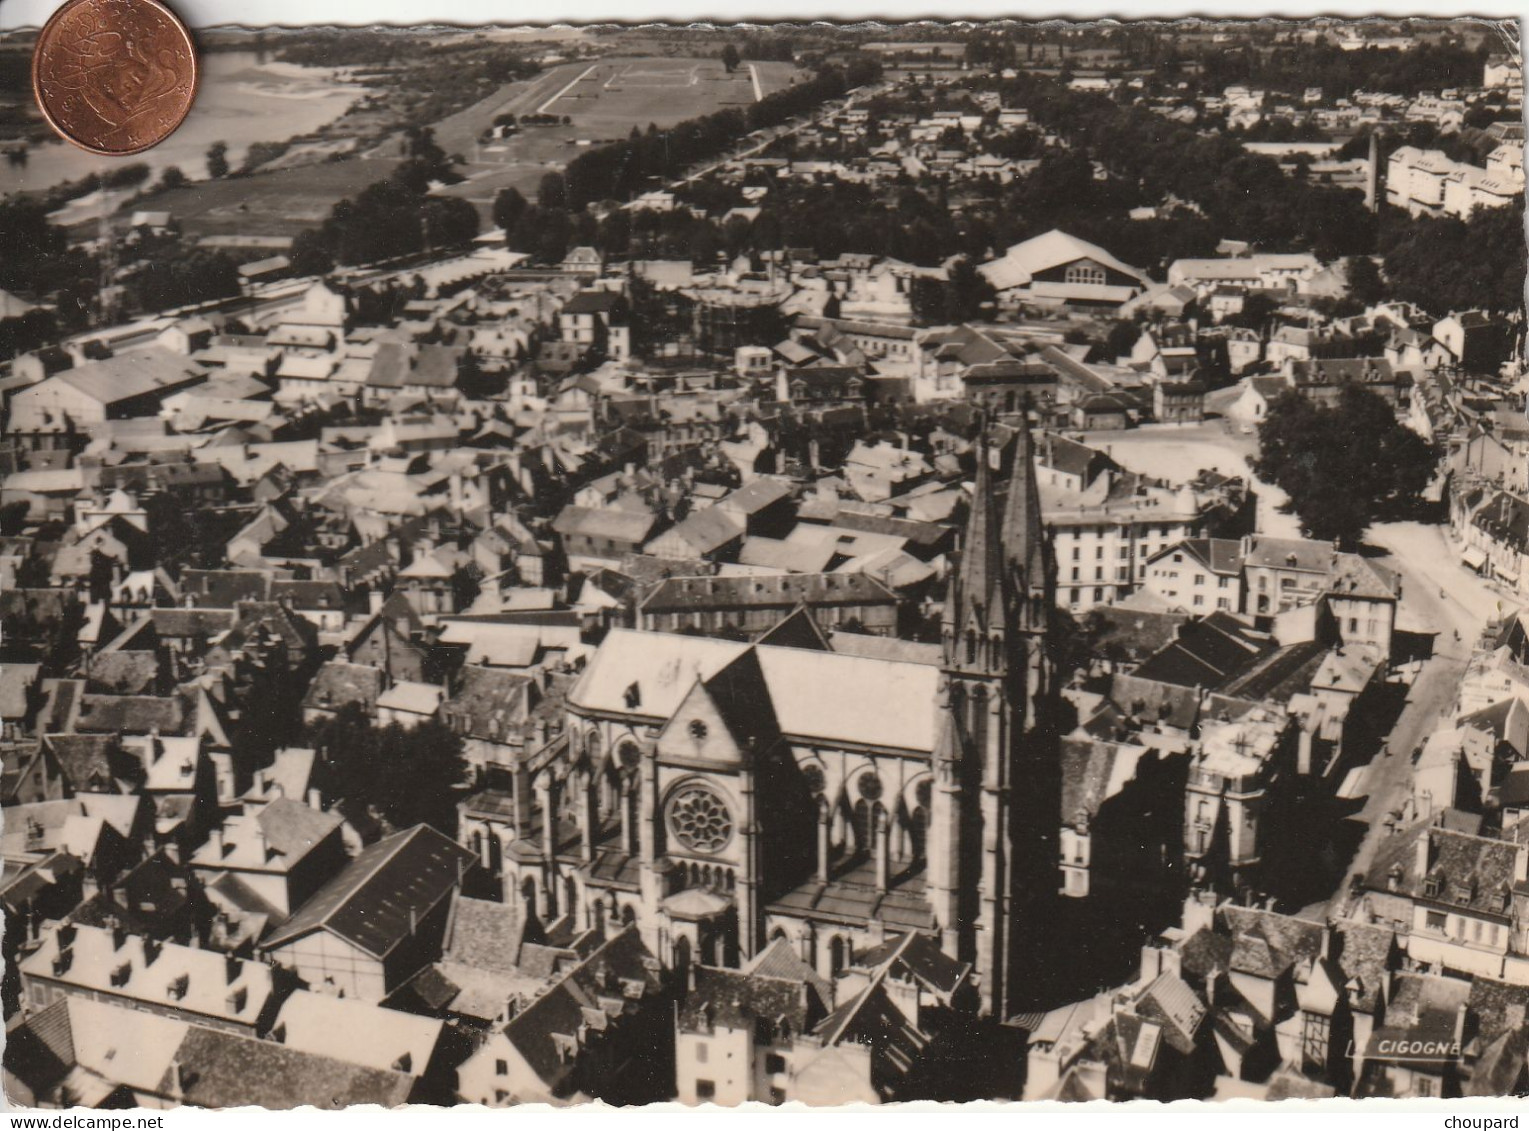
column 1431, row 887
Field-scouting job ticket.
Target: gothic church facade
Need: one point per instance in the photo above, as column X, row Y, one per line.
column 723, row 794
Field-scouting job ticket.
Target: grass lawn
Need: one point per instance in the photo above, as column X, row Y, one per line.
column 278, row 203
column 604, row 99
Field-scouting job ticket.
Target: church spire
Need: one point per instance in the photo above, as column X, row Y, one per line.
column 974, row 607
column 1023, row 537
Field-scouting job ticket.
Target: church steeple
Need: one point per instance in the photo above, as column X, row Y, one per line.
column 973, row 624
column 1025, row 549
column 990, row 842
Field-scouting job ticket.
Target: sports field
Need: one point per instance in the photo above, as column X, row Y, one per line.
column 603, row 100
column 647, row 89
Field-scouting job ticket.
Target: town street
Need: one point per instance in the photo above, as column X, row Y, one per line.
column 1441, row 599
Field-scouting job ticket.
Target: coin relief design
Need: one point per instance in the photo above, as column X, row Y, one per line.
column 114, row 76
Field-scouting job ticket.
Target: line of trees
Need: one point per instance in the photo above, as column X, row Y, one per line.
column 1425, row 66
column 392, row 217
column 619, row 170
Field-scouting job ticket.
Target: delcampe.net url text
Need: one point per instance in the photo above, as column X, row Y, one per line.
column 89, row 1122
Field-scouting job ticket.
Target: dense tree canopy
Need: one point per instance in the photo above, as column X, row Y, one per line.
column 31, row 243
column 1148, row 159
column 965, row 296
column 26, row 332
column 1346, row 466
column 1445, row 264
column 182, row 279
column 509, row 207
column 1295, row 67
column 404, row 776
column 388, row 219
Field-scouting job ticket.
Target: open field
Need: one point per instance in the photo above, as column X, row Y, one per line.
column 604, row 100
column 279, row 203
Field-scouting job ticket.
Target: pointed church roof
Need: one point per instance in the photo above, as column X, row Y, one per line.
column 797, row 630
column 738, row 697
column 1023, row 538
column 977, row 591
column 742, row 696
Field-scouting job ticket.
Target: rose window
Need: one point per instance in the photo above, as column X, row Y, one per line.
column 699, row 819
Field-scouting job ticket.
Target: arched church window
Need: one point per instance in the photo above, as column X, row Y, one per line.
column 629, row 754
column 864, row 829
column 971, row 647
column 838, row 956
column 869, row 787
column 918, row 832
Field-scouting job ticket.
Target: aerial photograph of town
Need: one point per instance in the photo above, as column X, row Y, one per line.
column 804, row 563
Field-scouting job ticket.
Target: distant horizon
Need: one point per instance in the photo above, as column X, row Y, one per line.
column 208, row 15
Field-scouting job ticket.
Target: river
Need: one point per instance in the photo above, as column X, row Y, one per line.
column 240, row 101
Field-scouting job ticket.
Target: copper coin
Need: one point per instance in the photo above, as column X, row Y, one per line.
column 114, row 76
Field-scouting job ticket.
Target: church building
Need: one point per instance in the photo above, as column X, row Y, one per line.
column 722, row 795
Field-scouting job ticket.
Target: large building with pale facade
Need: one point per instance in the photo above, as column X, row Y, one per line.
column 722, row 795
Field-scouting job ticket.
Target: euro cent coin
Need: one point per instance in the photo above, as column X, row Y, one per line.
column 114, row 76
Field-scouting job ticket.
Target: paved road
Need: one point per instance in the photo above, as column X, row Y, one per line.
column 1441, row 597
